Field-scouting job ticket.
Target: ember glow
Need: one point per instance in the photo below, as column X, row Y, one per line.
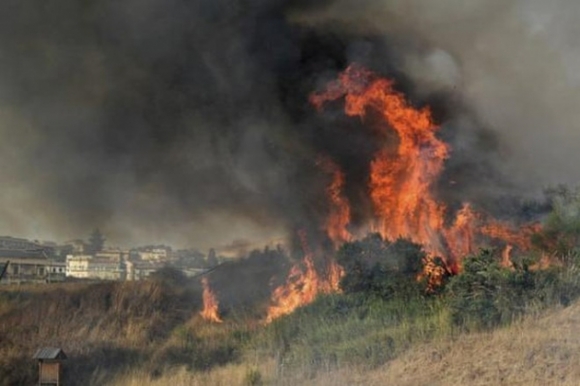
column 210, row 310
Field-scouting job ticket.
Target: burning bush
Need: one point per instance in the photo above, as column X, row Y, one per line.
column 487, row 294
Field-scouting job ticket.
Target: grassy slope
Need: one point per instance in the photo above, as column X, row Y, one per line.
column 540, row 350
column 102, row 327
column 150, row 333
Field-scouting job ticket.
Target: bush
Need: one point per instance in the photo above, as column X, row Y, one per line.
column 476, row 294
column 382, row 268
column 486, row 295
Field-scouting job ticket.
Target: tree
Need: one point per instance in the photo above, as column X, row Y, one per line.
column 212, row 260
column 96, row 241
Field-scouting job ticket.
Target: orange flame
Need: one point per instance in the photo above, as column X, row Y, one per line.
column 506, row 256
column 210, row 310
column 303, row 285
column 339, row 216
column 402, row 175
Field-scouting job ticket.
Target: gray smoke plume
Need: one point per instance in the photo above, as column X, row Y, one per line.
column 512, row 62
column 187, row 122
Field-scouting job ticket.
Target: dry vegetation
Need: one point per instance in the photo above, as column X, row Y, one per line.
column 490, row 325
column 539, row 350
column 103, row 327
column 150, row 333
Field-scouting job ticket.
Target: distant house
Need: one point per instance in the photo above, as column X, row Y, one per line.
column 78, row 247
column 139, row 270
column 30, row 266
column 117, row 254
column 95, row 267
column 14, row 243
column 156, row 254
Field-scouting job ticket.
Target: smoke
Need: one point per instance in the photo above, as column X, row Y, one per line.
column 187, row 122
column 511, row 62
column 153, row 120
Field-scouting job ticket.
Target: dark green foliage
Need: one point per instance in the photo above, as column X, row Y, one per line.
column 381, row 268
column 486, row 295
column 476, row 296
column 560, row 234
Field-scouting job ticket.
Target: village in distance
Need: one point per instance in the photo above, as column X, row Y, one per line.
column 24, row 261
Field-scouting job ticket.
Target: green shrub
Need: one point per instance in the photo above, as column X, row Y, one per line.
column 484, row 295
column 382, row 268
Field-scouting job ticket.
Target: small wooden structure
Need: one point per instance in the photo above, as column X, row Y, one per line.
column 50, row 365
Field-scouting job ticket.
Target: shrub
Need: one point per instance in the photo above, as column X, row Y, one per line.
column 381, row 268
column 486, row 295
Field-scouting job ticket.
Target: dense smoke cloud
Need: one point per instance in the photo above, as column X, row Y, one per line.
column 513, row 62
column 187, row 122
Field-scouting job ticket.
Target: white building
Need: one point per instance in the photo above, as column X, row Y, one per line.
column 139, row 270
column 90, row 267
column 28, row 267
column 158, row 254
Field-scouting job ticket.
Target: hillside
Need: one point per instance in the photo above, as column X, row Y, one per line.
column 103, row 327
column 489, row 325
column 540, row 350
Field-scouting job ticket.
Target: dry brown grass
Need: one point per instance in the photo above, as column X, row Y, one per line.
column 101, row 326
column 540, row 350
column 229, row 375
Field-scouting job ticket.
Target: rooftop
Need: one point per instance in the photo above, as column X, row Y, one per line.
column 49, row 353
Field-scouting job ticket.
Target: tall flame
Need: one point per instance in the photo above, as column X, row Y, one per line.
column 210, row 310
column 304, row 282
column 401, row 188
column 339, row 216
column 403, row 174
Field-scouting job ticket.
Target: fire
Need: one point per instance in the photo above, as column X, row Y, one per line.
column 210, row 310
column 339, row 217
column 403, row 174
column 506, row 256
column 303, row 284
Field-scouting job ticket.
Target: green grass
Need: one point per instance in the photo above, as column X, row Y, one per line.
column 339, row 330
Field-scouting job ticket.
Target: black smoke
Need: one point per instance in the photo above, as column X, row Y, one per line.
column 189, row 122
